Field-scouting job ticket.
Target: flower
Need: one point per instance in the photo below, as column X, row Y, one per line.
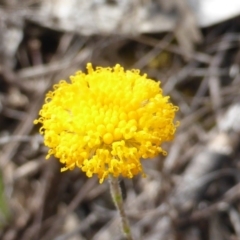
column 105, row 121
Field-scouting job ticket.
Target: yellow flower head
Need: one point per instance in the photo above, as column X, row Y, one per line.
column 106, row 120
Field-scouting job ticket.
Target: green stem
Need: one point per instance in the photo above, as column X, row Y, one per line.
column 118, row 201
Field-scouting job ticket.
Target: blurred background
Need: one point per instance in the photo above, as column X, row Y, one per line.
column 193, row 47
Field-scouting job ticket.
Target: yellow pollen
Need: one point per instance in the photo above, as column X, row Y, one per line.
column 108, row 138
column 117, row 134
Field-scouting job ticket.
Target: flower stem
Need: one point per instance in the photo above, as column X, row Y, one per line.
column 118, row 201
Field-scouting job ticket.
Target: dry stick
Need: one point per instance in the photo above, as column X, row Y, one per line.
column 198, row 56
column 156, row 50
column 118, row 201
